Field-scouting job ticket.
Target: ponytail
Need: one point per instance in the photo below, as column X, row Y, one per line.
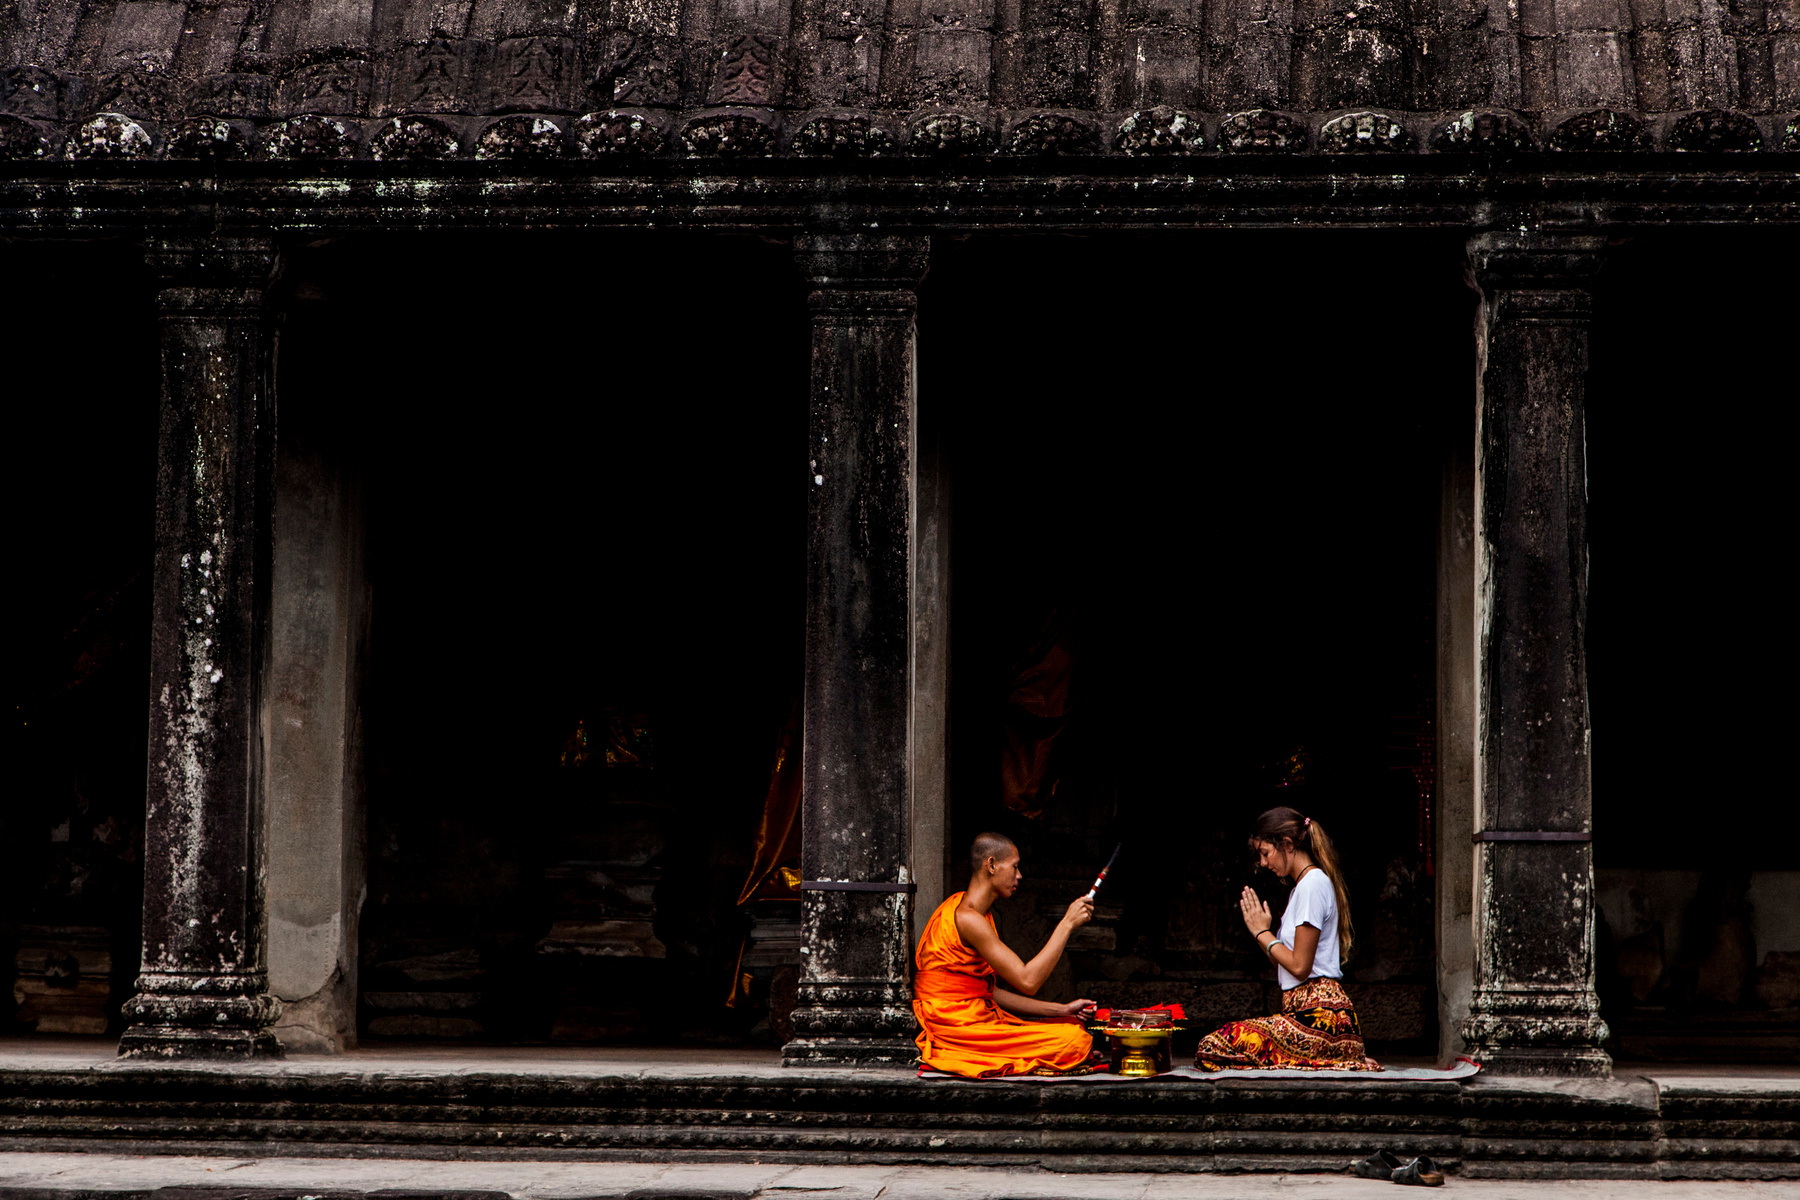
column 1319, row 845
column 1284, row 824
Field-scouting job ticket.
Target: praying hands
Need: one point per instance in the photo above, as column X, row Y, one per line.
column 1255, row 912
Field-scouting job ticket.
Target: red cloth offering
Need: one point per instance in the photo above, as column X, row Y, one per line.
column 1174, row 1010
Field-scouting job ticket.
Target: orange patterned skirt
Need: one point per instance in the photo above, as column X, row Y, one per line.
column 1316, row 1030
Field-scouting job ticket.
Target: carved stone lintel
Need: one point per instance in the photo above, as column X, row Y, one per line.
column 1534, row 1010
column 854, row 993
column 203, row 991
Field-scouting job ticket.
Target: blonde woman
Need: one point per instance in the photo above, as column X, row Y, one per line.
column 1316, row 1029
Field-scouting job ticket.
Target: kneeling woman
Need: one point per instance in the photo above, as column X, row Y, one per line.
column 1317, row 1029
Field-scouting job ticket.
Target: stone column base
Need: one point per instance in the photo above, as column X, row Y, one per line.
column 178, row 1017
column 1544, row 1062
column 1557, row 1033
column 849, row 1051
column 852, row 1023
column 172, row 1041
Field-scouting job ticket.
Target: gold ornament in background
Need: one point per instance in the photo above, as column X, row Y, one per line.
column 623, row 741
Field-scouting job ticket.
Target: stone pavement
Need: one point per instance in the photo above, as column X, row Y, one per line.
column 47, row 1176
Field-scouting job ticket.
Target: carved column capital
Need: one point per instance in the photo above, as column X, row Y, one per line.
column 863, row 275
column 1513, row 258
column 1537, row 277
column 225, row 278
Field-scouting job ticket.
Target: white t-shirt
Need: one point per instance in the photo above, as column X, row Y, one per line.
column 1313, row 903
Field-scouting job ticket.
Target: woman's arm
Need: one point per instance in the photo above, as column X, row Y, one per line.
column 1023, row 977
column 1024, row 1006
column 1298, row 961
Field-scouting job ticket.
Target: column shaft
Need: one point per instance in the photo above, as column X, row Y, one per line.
column 930, row 823
column 854, row 1000
column 319, row 616
column 202, row 991
column 1534, row 1010
column 1456, row 757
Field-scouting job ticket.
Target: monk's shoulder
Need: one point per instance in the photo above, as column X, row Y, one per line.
column 968, row 921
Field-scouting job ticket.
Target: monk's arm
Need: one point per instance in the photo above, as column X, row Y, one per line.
column 1026, row 1006
column 1021, row 976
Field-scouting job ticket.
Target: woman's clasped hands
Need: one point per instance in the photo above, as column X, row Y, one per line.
column 1255, row 911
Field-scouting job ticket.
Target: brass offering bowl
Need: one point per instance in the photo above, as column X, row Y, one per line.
column 1140, row 1042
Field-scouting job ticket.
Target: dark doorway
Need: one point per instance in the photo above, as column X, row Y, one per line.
column 81, row 421
column 586, row 560
column 1206, row 469
column 1690, row 426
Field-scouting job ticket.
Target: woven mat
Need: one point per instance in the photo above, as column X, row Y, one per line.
column 1462, row 1068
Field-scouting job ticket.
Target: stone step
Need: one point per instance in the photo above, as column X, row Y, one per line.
column 1624, row 1128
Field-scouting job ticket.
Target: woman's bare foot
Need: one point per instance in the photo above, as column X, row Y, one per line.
column 1370, row 1064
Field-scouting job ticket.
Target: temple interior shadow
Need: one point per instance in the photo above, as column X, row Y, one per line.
column 1195, row 522
column 1699, row 896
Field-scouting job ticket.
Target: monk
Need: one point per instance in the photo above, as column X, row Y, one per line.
column 968, row 1025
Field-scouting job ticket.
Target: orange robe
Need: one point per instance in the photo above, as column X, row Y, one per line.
column 963, row 1032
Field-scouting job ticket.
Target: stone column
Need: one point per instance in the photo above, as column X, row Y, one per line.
column 202, row 991
column 930, row 821
column 1456, row 648
column 854, row 1001
column 319, row 615
column 1534, row 1010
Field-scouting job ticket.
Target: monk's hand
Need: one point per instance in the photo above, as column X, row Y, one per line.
column 1256, row 913
column 1079, row 914
column 1078, row 1010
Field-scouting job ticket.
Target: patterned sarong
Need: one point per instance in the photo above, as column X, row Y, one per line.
column 1316, row 1030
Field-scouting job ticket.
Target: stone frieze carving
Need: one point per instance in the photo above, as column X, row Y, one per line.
column 1160, row 130
column 746, row 71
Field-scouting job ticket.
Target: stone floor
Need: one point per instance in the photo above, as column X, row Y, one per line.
column 433, row 1058
column 100, row 1176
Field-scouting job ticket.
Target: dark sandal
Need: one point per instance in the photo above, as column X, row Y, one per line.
column 1380, row 1165
column 1420, row 1172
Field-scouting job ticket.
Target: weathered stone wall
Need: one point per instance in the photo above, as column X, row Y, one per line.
column 348, row 78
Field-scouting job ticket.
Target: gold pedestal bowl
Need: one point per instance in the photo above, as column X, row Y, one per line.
column 1140, row 1042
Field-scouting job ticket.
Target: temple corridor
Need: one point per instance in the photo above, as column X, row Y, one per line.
column 1193, row 485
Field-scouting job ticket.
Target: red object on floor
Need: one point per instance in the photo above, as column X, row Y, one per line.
column 1174, row 1010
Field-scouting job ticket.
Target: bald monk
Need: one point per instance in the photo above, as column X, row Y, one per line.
column 968, row 1025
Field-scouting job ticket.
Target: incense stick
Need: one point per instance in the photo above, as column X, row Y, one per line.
column 1101, row 878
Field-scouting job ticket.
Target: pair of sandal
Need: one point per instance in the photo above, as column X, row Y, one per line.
column 1419, row 1172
